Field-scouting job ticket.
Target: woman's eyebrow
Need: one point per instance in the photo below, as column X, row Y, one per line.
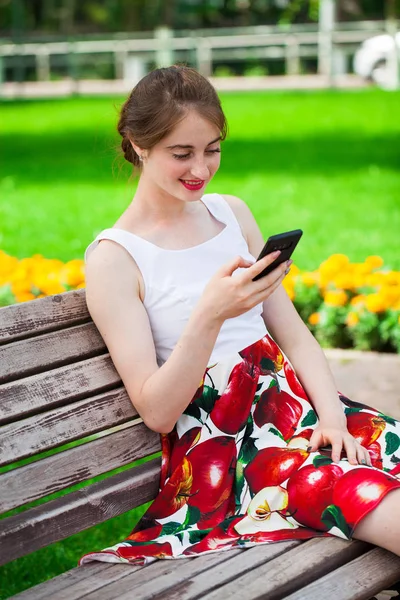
column 190, row 146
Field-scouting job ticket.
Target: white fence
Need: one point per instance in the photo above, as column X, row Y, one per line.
column 202, row 48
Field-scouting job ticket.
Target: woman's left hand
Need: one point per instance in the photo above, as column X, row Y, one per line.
column 340, row 439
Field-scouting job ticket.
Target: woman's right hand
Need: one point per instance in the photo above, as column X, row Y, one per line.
column 227, row 296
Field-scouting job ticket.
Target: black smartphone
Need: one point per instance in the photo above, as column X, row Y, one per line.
column 286, row 243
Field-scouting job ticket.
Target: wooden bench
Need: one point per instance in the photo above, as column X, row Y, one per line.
column 58, row 385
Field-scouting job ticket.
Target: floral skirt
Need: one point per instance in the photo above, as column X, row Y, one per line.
column 236, row 471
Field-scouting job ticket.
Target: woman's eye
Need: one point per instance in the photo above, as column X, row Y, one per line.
column 181, row 156
column 213, row 151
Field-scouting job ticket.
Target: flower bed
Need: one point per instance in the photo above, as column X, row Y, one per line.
column 346, row 305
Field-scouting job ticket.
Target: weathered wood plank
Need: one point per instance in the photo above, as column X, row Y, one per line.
column 215, row 577
column 49, row 351
column 66, row 424
column 39, row 316
column 290, row 571
column 57, row 387
column 60, row 471
column 360, row 579
column 62, row 517
column 163, row 572
column 78, row 582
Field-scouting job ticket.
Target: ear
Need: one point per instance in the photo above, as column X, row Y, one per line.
column 139, row 151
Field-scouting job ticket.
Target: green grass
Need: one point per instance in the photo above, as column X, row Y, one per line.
column 327, row 162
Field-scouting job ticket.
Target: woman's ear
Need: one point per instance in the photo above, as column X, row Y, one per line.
column 139, row 151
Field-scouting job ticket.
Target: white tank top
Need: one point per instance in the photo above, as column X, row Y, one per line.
column 175, row 279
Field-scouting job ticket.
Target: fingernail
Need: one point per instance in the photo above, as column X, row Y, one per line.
column 287, row 271
column 289, row 262
column 276, row 253
column 363, row 462
column 309, row 448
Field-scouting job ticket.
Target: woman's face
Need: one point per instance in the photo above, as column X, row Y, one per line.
column 183, row 162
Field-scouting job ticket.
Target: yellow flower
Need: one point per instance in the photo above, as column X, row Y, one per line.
column 375, row 303
column 24, row 296
column 373, row 262
column 309, row 279
column 357, row 300
column 73, row 273
column 352, row 319
column 336, row 298
column 314, row 318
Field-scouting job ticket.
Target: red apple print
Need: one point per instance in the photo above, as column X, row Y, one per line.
column 135, row 552
column 395, row 471
column 232, row 408
column 360, row 490
column 182, row 446
column 280, row 409
column 265, row 348
column 293, row 381
column 167, row 443
column 220, row 537
column 365, row 427
column 213, row 465
column 145, row 535
column 272, row 466
column 310, row 491
column 375, row 455
column 174, row 494
column 301, row 533
column 212, row 519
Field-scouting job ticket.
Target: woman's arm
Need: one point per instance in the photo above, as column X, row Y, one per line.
column 294, row 338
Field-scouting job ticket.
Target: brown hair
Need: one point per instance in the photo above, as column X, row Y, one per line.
column 159, row 101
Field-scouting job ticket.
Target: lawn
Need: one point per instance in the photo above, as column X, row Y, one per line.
column 327, row 162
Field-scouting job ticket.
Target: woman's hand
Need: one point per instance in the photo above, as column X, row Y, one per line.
column 229, row 295
column 340, row 439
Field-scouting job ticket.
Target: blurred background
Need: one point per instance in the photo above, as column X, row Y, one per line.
column 311, row 92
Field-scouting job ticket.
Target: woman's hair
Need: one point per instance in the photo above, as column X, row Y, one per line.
column 159, row 101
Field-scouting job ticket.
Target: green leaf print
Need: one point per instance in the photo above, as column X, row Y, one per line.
column 267, row 364
column 333, row 517
column 320, row 461
column 207, row 399
column 248, row 451
column 239, row 482
column 392, row 443
column 193, row 411
column 276, row 432
column 192, row 516
column 309, row 419
column 196, row 536
column 395, row 460
column 171, row 528
column 350, row 411
column 389, row 420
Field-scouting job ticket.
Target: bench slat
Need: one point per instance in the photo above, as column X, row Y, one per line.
column 57, row 587
column 183, row 583
column 166, row 573
column 39, row 316
column 60, row 471
column 66, row 424
column 53, row 388
column 62, row 517
column 291, row 570
column 50, row 350
column 360, row 579
column 221, row 574
column 77, row 582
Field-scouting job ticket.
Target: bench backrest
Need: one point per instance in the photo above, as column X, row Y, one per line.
column 57, row 386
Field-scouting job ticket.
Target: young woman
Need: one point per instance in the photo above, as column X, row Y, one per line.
column 204, row 351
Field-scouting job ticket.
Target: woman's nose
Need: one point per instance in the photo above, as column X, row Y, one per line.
column 200, row 170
